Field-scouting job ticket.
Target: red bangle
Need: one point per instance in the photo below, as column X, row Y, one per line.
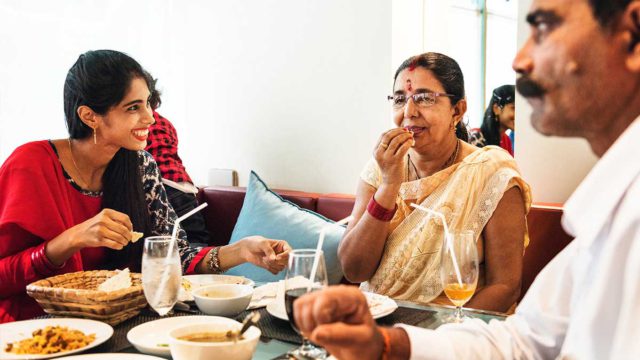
column 41, row 263
column 377, row 211
column 386, row 350
column 48, row 262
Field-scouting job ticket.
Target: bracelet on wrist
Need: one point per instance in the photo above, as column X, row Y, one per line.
column 379, row 212
column 41, row 262
column 213, row 263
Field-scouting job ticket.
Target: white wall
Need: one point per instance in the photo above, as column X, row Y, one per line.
column 552, row 166
column 292, row 89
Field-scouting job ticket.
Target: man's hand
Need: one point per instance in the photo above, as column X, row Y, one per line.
column 338, row 319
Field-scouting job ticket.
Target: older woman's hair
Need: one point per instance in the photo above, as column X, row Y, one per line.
column 447, row 72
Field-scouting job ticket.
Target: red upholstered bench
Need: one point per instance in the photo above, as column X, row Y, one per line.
column 546, row 235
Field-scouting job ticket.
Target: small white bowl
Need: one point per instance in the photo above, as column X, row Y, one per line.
column 229, row 350
column 239, row 297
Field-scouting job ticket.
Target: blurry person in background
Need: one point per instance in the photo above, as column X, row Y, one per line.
column 162, row 144
column 498, row 118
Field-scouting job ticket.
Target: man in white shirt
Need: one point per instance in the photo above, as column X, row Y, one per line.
column 580, row 71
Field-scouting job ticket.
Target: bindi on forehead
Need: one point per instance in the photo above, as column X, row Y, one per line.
column 408, row 86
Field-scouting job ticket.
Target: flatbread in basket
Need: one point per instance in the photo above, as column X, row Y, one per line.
column 77, row 295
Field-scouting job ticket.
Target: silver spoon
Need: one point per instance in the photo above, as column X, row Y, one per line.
column 251, row 319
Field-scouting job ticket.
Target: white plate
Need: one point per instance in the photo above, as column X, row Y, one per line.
column 198, row 281
column 112, row 356
column 380, row 306
column 20, row 330
column 147, row 336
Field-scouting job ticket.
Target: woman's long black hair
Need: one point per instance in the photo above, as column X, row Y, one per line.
column 448, row 72
column 100, row 79
column 490, row 127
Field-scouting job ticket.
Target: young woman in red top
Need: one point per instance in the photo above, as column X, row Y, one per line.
column 71, row 204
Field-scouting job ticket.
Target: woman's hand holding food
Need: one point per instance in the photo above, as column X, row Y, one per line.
column 390, row 153
column 109, row 228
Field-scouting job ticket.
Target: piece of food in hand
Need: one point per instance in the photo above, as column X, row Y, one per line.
column 121, row 280
column 135, row 236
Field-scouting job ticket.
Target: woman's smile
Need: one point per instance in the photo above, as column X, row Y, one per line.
column 141, row 134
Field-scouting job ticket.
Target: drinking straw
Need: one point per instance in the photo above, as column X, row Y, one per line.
column 164, row 276
column 447, row 236
column 174, row 233
column 316, row 258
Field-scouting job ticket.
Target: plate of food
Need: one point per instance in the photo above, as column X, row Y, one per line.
column 379, row 305
column 193, row 282
column 153, row 337
column 47, row 338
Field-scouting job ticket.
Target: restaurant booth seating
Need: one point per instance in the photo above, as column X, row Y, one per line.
column 546, row 235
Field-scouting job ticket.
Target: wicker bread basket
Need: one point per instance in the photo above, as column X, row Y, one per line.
column 75, row 294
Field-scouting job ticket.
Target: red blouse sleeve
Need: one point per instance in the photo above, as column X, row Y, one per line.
column 196, row 260
column 33, row 210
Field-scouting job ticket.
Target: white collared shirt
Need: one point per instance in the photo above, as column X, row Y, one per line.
column 585, row 304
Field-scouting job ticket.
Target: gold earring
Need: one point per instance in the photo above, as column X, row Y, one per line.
column 95, row 140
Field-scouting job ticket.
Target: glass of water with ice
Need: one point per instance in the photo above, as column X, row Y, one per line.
column 161, row 273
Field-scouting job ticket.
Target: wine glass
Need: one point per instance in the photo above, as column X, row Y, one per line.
column 298, row 282
column 459, row 288
column 161, row 273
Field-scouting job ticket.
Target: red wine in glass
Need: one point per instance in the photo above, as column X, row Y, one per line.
column 290, row 296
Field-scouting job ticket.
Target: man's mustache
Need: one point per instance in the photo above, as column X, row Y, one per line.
column 529, row 88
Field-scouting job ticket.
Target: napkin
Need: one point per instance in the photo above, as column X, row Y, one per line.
column 265, row 294
column 274, row 292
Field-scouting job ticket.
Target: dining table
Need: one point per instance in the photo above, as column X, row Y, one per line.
column 278, row 336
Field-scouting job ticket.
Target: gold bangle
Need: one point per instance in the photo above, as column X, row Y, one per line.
column 214, row 261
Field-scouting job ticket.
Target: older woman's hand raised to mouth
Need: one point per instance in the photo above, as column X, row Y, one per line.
column 390, row 154
column 338, row 319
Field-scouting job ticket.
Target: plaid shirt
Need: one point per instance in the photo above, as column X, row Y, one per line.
column 162, row 144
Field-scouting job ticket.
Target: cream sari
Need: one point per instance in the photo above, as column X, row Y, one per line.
column 466, row 193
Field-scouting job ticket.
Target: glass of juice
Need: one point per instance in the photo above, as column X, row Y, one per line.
column 459, row 270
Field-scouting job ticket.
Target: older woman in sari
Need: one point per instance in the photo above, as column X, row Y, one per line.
column 426, row 160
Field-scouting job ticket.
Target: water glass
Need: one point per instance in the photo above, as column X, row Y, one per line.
column 161, row 273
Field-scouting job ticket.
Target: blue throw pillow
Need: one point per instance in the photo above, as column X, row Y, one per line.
column 267, row 214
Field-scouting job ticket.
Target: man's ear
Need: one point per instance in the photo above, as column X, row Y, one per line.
column 631, row 24
column 88, row 116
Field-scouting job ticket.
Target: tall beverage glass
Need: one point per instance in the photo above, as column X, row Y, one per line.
column 161, row 273
column 459, row 287
column 298, row 281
